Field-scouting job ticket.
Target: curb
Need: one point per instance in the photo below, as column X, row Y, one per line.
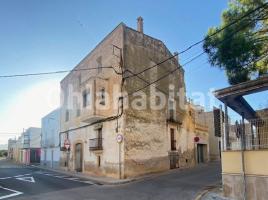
column 205, row 191
column 96, row 180
column 199, row 196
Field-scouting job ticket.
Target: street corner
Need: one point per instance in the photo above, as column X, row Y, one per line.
column 213, row 192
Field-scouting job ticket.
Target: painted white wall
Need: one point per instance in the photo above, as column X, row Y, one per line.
column 34, row 135
column 50, row 137
column 50, row 129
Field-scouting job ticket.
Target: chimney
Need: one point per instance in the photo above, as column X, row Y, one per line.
column 140, row 24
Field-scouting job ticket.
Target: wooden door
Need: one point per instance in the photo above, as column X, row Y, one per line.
column 172, row 140
column 200, row 153
column 78, row 157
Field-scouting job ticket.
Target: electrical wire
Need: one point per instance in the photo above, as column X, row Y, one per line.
column 136, row 74
column 199, row 55
column 57, row 72
column 181, row 52
column 191, row 60
column 226, row 26
column 164, row 76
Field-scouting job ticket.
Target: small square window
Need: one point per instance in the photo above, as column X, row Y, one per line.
column 102, row 96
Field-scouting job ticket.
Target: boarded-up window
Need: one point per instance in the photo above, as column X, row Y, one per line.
column 86, row 98
column 102, row 96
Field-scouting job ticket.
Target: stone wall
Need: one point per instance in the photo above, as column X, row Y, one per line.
column 146, row 131
column 147, row 142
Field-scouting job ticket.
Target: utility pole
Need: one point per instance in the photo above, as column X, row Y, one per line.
column 243, row 146
column 226, row 136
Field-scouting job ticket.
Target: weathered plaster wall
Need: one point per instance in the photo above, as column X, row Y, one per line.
column 78, row 81
column 146, row 135
column 256, row 171
column 94, row 81
column 194, row 125
column 146, row 144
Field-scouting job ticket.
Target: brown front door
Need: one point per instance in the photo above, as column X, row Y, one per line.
column 78, row 157
column 173, row 155
column 172, row 140
column 200, row 153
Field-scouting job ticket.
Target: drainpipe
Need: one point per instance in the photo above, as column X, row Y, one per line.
column 243, row 145
column 120, row 170
column 68, row 154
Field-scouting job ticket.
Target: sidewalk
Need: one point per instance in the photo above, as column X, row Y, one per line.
column 96, row 179
column 212, row 193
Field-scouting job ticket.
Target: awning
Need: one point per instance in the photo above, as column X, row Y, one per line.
column 233, row 96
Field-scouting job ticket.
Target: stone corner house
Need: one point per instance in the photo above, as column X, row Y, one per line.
column 106, row 95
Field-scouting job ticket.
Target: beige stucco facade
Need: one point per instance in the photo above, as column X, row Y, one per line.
column 17, row 150
column 214, row 141
column 146, row 145
column 254, row 176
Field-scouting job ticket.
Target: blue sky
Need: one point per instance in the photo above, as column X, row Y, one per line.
column 51, row 35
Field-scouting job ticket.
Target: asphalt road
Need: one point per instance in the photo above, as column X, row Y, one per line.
column 26, row 183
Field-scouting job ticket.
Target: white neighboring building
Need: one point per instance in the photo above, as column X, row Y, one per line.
column 50, row 150
column 30, row 146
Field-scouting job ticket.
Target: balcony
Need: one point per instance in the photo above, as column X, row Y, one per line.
column 95, row 144
column 88, row 116
column 172, row 118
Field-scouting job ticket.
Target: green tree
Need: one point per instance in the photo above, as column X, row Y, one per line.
column 3, row 153
column 241, row 48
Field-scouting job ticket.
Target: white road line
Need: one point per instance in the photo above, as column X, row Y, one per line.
column 3, row 178
column 67, row 178
column 21, row 175
column 27, row 179
column 40, row 172
column 15, row 193
column 88, row 182
column 72, row 179
column 18, row 176
column 61, row 176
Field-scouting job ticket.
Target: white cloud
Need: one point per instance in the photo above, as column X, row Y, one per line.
column 29, row 106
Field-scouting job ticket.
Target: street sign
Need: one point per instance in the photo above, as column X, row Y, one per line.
column 196, row 139
column 67, row 144
column 119, row 138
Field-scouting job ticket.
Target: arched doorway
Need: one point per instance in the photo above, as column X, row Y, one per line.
column 78, row 157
